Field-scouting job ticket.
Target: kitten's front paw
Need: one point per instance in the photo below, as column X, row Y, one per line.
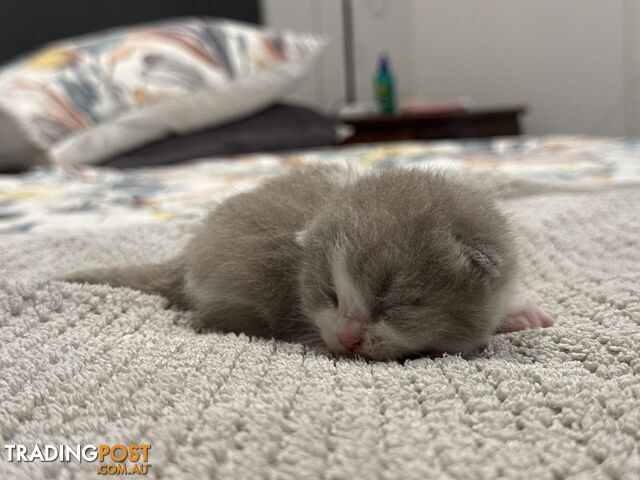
column 524, row 319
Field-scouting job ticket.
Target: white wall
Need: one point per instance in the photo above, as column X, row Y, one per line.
column 631, row 28
column 562, row 57
column 325, row 85
column 575, row 63
column 379, row 26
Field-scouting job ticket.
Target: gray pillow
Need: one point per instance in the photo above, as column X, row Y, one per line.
column 280, row 127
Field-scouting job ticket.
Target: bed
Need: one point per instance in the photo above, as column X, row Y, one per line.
column 97, row 365
column 77, row 198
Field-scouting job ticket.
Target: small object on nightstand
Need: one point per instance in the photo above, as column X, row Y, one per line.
column 423, row 107
column 384, row 87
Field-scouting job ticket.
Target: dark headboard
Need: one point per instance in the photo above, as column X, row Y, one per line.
column 26, row 24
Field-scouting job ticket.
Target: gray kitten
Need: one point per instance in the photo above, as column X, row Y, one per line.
column 382, row 264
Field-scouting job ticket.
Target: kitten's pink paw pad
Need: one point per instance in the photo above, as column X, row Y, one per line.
column 525, row 319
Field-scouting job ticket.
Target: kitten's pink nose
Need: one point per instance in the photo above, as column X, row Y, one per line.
column 350, row 340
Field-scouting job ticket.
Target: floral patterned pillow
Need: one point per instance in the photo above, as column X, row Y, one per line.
column 85, row 99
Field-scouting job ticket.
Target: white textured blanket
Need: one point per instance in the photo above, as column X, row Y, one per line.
column 90, row 365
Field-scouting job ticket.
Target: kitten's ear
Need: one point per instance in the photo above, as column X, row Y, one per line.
column 481, row 257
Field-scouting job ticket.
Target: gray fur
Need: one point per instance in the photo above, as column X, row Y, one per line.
column 432, row 259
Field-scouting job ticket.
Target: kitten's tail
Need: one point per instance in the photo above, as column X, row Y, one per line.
column 166, row 279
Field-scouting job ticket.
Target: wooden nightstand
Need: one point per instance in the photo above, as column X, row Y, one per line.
column 470, row 123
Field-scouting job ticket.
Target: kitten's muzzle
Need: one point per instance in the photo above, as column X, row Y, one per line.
column 352, row 333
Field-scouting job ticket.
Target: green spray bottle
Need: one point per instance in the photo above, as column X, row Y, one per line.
column 384, row 87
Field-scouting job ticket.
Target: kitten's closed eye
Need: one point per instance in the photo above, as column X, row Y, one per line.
column 331, row 296
column 379, row 311
column 415, row 302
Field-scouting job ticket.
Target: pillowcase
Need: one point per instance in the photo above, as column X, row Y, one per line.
column 86, row 99
column 279, row 127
